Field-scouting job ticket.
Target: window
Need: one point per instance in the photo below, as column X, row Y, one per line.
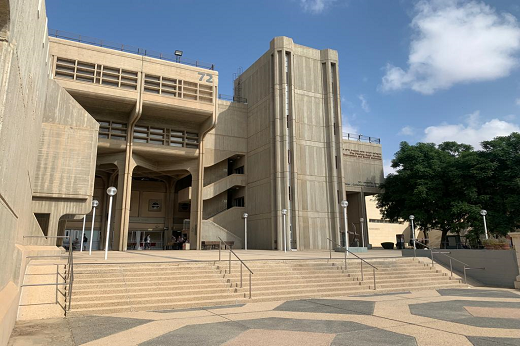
column 239, row 170
column 239, row 202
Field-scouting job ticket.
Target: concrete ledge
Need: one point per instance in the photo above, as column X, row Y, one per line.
column 501, row 265
column 353, row 249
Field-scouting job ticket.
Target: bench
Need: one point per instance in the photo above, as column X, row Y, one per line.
column 211, row 245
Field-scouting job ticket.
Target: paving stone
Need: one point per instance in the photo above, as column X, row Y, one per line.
column 329, row 306
column 481, row 341
column 477, row 293
column 90, row 328
column 373, row 337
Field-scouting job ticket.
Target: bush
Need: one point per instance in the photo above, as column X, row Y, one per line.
column 387, row 245
column 495, row 244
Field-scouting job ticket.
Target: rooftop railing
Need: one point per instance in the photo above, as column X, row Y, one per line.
column 361, row 138
column 129, row 49
column 232, row 98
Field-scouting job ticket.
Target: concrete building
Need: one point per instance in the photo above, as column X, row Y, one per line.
column 78, row 117
column 186, row 163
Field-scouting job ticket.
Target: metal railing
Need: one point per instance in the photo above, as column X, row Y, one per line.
column 466, row 266
column 68, row 278
column 232, row 98
column 362, row 138
column 374, row 268
column 242, row 264
column 128, row 49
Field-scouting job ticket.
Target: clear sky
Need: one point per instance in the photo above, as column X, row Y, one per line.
column 430, row 70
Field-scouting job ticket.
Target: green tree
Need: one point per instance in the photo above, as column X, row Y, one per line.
column 438, row 185
column 500, row 193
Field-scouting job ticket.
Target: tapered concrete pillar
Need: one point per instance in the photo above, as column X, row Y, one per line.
column 196, row 205
column 122, row 203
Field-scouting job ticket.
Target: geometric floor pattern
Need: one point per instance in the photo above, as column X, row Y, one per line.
column 482, row 317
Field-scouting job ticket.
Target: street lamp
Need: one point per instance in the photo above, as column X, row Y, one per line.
column 483, row 212
column 245, row 230
column 344, row 204
column 82, row 233
column 111, row 191
column 413, row 230
column 362, row 221
column 284, row 213
column 95, row 203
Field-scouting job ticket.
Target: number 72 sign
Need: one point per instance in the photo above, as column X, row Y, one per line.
column 208, row 75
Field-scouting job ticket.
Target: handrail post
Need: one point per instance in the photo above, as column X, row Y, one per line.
column 219, row 249
column 330, row 250
column 230, row 262
column 465, row 279
column 345, row 260
column 451, row 269
column 431, row 252
column 249, row 285
column 374, row 270
column 56, row 283
column 241, row 275
column 362, row 277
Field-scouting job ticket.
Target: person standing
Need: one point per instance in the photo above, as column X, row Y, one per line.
column 147, row 242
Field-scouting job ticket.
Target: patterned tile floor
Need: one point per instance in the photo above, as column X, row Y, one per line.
column 482, row 317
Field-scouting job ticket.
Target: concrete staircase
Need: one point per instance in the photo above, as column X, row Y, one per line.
column 284, row 280
column 111, row 288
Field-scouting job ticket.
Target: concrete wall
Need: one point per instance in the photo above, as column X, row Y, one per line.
column 27, row 95
column 363, row 164
column 501, row 265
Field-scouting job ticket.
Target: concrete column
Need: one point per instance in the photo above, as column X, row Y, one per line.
column 196, row 205
column 122, row 203
column 515, row 236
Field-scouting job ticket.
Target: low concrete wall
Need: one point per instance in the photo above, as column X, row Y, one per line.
column 501, row 265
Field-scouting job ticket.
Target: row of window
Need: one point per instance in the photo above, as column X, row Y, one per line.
column 95, row 73
column 149, row 134
column 126, row 79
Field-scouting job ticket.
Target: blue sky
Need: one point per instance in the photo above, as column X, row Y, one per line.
column 414, row 70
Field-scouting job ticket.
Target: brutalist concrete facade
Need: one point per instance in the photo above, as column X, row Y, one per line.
column 47, row 149
column 76, row 118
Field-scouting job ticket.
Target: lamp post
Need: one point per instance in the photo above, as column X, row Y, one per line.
column 284, row 213
column 82, row 233
column 95, row 203
column 245, row 230
column 111, row 191
column 483, row 212
column 413, row 230
column 344, row 204
column 362, row 221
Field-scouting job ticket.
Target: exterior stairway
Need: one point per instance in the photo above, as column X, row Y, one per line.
column 111, row 288
column 285, row 280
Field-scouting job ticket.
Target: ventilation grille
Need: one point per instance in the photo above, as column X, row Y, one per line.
column 178, row 88
column 95, row 73
column 167, row 137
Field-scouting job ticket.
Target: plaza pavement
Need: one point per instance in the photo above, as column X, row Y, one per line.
column 482, row 317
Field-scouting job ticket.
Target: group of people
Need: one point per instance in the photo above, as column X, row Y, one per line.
column 178, row 242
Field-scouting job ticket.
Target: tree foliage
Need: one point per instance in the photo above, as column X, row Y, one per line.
column 446, row 186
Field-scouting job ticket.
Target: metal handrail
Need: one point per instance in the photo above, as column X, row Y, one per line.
column 241, row 264
column 374, row 268
column 444, row 253
column 69, row 276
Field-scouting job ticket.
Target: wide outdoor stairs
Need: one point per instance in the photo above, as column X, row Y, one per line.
column 111, row 288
